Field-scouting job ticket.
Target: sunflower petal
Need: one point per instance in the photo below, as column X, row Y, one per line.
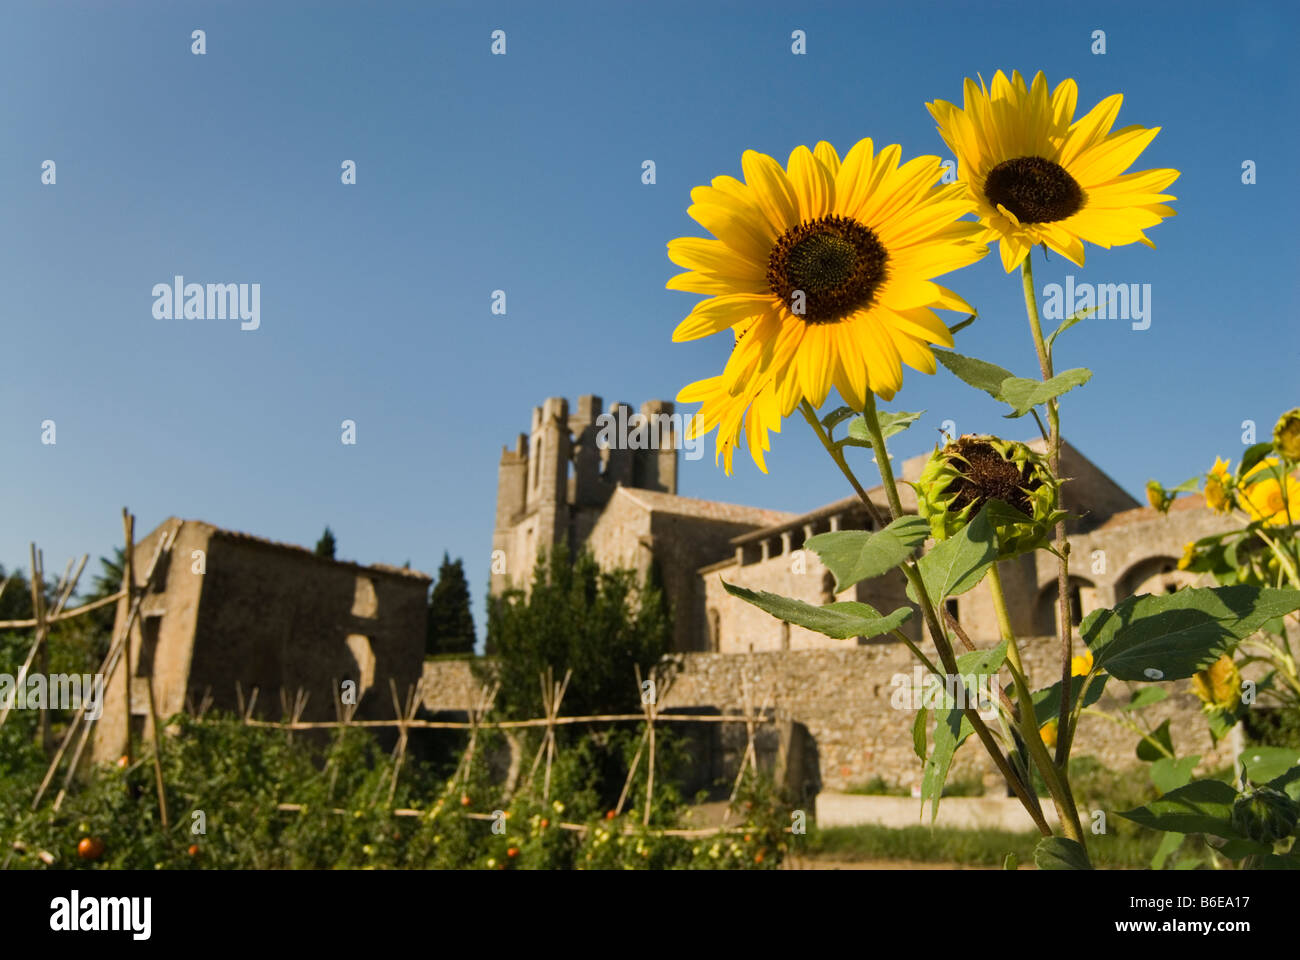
column 719, row 313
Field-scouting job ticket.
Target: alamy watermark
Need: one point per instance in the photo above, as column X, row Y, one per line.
column 1104, row 301
column 75, row 913
column 920, row 690
column 179, row 300
column 58, row 691
column 656, row 431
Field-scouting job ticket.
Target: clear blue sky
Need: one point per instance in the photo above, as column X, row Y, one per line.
column 522, row 173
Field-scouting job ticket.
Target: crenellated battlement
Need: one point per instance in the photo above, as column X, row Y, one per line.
column 557, row 478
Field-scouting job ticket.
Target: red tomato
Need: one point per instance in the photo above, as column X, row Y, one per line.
column 90, row 848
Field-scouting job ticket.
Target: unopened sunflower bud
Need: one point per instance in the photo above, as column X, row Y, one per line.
column 1286, row 435
column 961, row 478
column 1219, row 685
column 1158, row 497
column 1265, row 815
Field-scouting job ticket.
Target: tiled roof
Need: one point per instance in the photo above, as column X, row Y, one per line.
column 1147, row 514
column 238, row 537
column 705, row 509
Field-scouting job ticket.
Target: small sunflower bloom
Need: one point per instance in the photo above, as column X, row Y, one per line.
column 1158, row 497
column 1081, row 666
column 1217, row 483
column 1037, row 175
column 1188, row 557
column 824, row 271
column 1218, row 686
column 1286, row 435
column 1273, row 500
column 959, row 479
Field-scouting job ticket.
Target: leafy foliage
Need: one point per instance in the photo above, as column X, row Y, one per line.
column 602, row 623
column 326, row 545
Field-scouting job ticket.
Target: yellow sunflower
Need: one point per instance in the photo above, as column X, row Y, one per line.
column 1266, row 500
column 755, row 412
column 1219, row 685
column 1036, row 175
column 824, row 271
column 1216, row 487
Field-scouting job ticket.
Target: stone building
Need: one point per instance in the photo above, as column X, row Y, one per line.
column 557, row 487
column 226, row 607
column 560, row 487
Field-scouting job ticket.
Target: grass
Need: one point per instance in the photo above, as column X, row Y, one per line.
column 1125, row 845
column 966, row 847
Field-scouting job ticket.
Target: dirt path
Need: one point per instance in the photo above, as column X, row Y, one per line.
column 815, row 863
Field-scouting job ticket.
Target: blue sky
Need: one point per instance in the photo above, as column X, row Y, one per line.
column 523, row 173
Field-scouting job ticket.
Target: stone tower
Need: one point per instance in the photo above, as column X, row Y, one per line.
column 554, row 483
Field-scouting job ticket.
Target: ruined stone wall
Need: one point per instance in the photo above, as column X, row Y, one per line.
column 842, row 698
column 168, row 614
column 278, row 617
column 744, row 628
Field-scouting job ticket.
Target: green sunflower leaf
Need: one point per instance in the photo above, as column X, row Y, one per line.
column 1047, row 702
column 918, row 733
column 841, row 620
column 1264, row 764
column 1169, row 774
column 979, row 374
column 1149, row 751
column 957, row 564
column 1024, row 395
column 1171, row 636
column 890, row 424
column 1253, row 456
column 1067, row 323
column 1060, row 853
column 1145, row 698
column 856, row 555
column 951, row 726
column 837, row 416
column 1203, row 806
column 1168, row 844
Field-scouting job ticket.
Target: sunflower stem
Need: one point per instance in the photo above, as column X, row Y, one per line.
column 942, row 643
column 837, row 454
column 1021, row 787
column 1065, row 732
column 1056, row 785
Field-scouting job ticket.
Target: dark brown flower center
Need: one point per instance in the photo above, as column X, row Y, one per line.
column 984, row 475
column 1034, row 189
column 824, row 270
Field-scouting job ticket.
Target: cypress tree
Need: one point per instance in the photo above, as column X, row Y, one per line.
column 326, row 544
column 450, row 624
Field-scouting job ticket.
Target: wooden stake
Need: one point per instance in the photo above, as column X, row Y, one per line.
column 128, row 586
column 107, row 669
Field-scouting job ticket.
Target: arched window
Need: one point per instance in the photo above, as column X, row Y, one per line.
column 1047, row 611
column 1153, row 575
